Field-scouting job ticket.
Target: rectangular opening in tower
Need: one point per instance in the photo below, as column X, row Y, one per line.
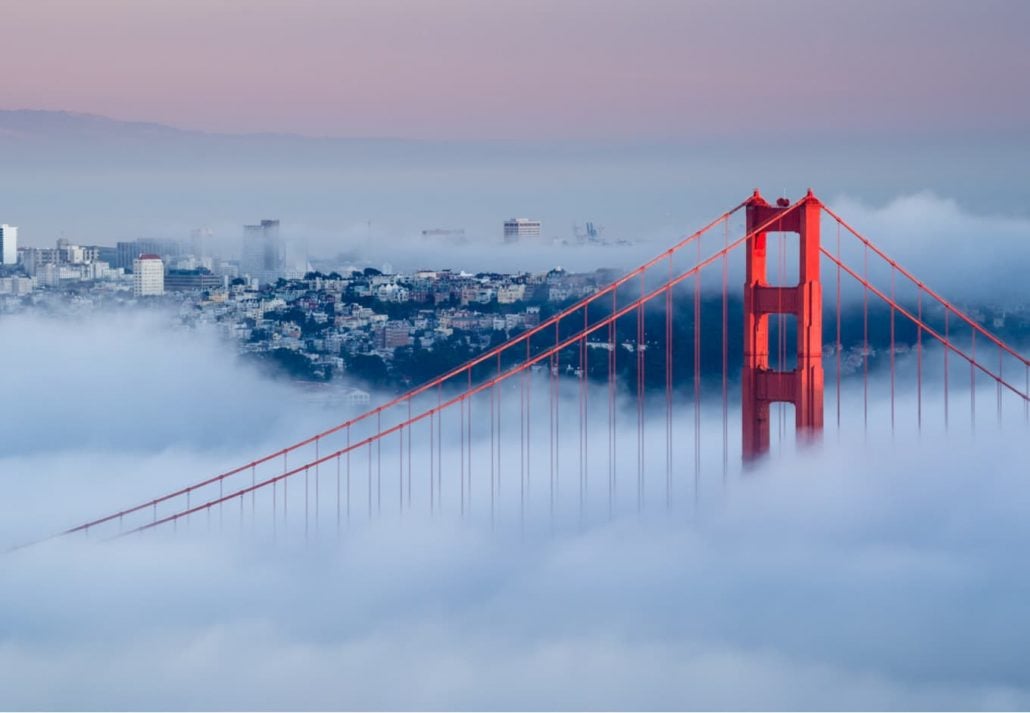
column 782, row 433
column 783, row 251
column 783, row 342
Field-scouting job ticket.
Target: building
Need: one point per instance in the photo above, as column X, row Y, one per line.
column 518, row 228
column 127, row 252
column 15, row 285
column 189, row 280
column 33, row 260
column 394, row 334
column 65, row 262
column 108, row 255
column 264, row 255
column 8, row 244
column 148, row 275
column 509, row 294
column 71, row 254
column 200, row 239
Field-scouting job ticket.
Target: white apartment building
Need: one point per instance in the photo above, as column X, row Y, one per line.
column 148, row 275
column 8, row 244
column 517, row 228
column 15, row 285
column 507, row 294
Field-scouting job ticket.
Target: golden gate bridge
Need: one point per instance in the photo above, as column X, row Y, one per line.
column 528, row 423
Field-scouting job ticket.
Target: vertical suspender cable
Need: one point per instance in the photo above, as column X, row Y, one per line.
column 725, row 349
column 612, row 337
column 972, row 380
column 865, row 339
column 838, row 345
column 460, row 453
column 552, row 437
column 947, row 348
column 583, row 425
column 697, row 377
column 439, row 447
column 400, row 468
column 432, row 457
column 1001, row 375
column 379, row 464
column 919, row 359
column 640, row 395
column 493, row 398
column 529, row 424
column 668, row 391
column 411, row 433
column 500, row 394
column 348, row 475
column 892, row 350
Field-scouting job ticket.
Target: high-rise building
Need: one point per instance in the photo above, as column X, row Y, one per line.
column 518, row 228
column 127, row 252
column 148, row 275
column 8, row 244
column 264, row 256
column 200, row 239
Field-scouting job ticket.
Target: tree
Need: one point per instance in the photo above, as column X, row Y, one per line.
column 369, row 368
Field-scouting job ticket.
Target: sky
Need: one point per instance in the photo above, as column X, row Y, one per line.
column 461, row 69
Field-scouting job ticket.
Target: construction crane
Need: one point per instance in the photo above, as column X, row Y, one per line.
column 591, row 234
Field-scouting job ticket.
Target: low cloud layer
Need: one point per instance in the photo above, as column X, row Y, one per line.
column 957, row 250
column 894, row 581
column 869, row 572
column 964, row 254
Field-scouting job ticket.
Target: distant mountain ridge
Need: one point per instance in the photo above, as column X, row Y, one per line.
column 36, row 138
column 63, row 140
column 43, row 126
column 41, row 123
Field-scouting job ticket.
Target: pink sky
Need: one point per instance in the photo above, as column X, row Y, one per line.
column 524, row 69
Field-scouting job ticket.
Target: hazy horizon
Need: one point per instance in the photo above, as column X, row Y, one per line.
column 99, row 181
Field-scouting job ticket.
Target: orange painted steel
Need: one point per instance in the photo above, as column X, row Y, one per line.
column 760, row 385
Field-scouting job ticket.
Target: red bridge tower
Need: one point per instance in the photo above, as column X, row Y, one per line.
column 761, row 385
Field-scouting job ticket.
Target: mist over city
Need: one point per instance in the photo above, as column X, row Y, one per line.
column 514, row 356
